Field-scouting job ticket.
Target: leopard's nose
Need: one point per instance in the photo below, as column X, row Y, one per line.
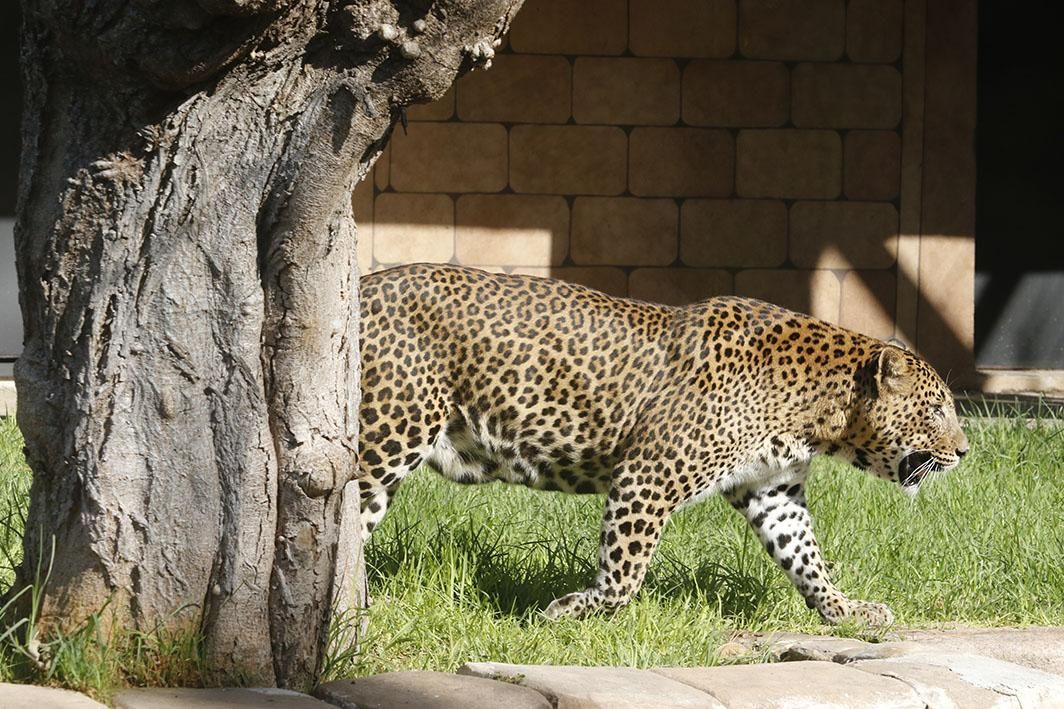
column 962, row 446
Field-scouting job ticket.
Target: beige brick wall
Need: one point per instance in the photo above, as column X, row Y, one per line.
column 673, row 150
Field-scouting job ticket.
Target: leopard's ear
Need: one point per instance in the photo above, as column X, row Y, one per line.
column 892, row 371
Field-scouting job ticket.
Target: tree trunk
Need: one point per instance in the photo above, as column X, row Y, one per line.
column 189, row 286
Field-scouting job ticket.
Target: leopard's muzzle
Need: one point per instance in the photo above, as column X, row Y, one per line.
column 915, row 467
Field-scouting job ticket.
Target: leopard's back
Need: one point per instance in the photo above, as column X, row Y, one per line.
column 488, row 376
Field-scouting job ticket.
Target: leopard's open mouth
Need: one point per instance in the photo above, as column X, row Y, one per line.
column 915, row 467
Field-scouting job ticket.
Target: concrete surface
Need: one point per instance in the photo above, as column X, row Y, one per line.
column 1038, row 647
column 943, row 669
column 215, row 699
column 415, row 690
column 796, row 684
column 28, row 696
column 938, row 686
column 568, row 687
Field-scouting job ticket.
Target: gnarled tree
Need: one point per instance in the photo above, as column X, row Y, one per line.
column 189, row 286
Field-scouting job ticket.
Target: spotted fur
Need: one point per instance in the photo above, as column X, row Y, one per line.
column 558, row 387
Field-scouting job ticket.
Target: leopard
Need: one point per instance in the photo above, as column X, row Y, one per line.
column 538, row 382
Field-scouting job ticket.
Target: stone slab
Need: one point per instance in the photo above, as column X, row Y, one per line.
column 429, row 690
column 937, row 686
column 171, row 698
column 1039, row 647
column 1029, row 687
column 568, row 687
column 28, row 696
column 796, row 684
column 792, row 647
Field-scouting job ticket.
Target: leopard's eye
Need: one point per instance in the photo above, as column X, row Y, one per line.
column 938, row 412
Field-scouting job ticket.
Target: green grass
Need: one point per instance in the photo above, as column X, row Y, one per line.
column 460, row 573
column 14, row 494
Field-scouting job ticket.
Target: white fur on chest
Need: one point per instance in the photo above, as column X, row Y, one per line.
column 770, row 463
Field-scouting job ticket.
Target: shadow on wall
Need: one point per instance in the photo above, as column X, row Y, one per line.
column 684, row 150
column 534, row 234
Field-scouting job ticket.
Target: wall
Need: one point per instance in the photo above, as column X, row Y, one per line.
column 672, row 150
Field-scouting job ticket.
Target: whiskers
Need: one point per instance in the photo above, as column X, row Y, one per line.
column 929, row 473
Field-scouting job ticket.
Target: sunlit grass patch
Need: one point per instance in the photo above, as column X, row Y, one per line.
column 14, row 498
column 460, row 573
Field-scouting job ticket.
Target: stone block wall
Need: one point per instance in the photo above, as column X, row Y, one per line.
column 672, row 150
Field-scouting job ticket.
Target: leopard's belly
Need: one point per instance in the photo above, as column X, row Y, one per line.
column 471, row 450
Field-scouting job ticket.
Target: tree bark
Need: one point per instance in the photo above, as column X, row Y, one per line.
column 189, row 286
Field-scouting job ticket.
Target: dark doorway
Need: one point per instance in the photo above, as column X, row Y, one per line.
column 10, row 110
column 1019, row 285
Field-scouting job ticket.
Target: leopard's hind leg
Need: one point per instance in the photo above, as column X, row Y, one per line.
column 384, row 464
column 375, row 499
column 637, row 507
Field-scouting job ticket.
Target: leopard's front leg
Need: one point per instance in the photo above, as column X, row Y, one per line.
column 779, row 516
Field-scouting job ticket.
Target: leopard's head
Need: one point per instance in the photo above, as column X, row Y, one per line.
column 904, row 425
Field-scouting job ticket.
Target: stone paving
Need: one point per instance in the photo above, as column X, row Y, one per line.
column 440, row 690
column 940, row 669
column 567, row 687
column 216, row 699
column 27, row 696
column 1042, row 648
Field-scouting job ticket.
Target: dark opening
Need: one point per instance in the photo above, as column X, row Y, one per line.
column 1019, row 284
column 10, row 111
column 10, row 100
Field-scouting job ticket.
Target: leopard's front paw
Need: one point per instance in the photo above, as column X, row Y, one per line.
column 863, row 612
